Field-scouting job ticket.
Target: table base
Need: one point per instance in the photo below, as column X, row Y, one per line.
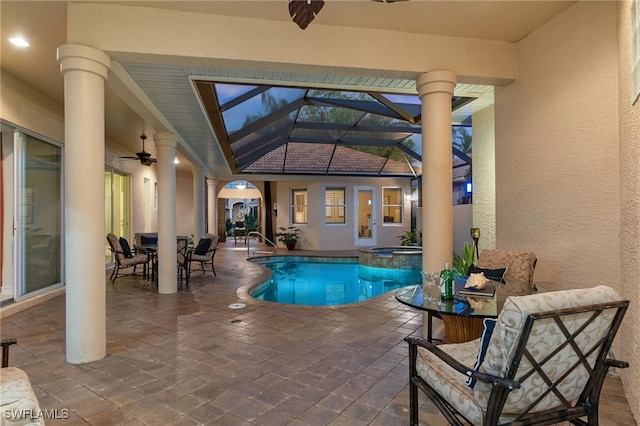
column 460, row 329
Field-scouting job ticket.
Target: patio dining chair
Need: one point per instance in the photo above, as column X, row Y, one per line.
column 124, row 258
column 542, row 361
column 239, row 231
column 202, row 254
column 519, row 265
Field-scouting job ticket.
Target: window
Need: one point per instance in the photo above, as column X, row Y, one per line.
column 299, row 205
column 392, row 205
column 334, row 205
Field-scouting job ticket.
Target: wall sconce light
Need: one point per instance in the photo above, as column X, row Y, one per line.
column 407, row 197
column 176, row 161
column 275, row 209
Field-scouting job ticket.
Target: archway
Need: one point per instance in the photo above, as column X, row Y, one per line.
column 241, row 206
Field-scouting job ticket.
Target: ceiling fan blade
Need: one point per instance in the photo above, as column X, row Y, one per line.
column 303, row 12
column 132, row 158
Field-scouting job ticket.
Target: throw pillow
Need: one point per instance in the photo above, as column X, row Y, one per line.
column 491, row 274
column 125, row 248
column 202, row 247
column 148, row 240
column 489, row 325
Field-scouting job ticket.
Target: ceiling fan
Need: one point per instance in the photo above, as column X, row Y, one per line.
column 304, row 11
column 144, row 157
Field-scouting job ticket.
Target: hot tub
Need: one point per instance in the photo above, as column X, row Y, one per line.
column 399, row 257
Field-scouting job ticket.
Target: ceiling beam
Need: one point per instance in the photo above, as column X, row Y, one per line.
column 393, row 107
column 244, row 97
column 265, row 121
column 359, row 128
column 260, row 147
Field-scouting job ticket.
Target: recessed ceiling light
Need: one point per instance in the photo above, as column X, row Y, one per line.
column 19, row 41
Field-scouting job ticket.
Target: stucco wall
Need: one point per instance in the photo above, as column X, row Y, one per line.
column 557, row 182
column 484, row 177
column 462, row 223
column 184, row 203
column 567, row 161
column 630, row 209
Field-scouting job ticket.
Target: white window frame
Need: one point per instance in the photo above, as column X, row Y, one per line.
column 385, row 205
column 338, row 206
column 297, row 209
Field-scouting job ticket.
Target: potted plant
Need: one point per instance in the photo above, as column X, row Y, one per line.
column 410, row 238
column 462, row 261
column 289, row 236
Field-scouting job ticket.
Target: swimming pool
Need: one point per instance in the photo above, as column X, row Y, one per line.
column 300, row 280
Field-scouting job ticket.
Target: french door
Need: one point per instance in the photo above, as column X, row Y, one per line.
column 365, row 212
column 117, row 205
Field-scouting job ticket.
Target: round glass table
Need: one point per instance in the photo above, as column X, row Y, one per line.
column 462, row 316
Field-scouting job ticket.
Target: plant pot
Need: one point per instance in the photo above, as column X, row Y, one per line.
column 290, row 246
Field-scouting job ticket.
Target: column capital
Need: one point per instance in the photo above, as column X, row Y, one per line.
column 436, row 81
column 212, row 182
column 165, row 139
column 76, row 57
column 197, row 170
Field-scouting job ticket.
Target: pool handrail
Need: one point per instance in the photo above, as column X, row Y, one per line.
column 275, row 247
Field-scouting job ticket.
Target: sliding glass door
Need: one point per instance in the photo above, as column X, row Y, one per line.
column 38, row 213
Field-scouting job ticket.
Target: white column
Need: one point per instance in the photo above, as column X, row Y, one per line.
column 167, row 222
column 212, row 206
column 198, row 202
column 436, row 90
column 84, row 70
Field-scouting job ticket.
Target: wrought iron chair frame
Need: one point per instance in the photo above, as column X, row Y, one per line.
column 205, row 258
column 119, row 266
column 585, row 406
column 183, row 250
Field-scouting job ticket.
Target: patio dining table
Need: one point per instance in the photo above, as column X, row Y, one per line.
column 151, row 249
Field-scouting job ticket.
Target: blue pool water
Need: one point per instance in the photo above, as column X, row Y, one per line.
column 327, row 282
